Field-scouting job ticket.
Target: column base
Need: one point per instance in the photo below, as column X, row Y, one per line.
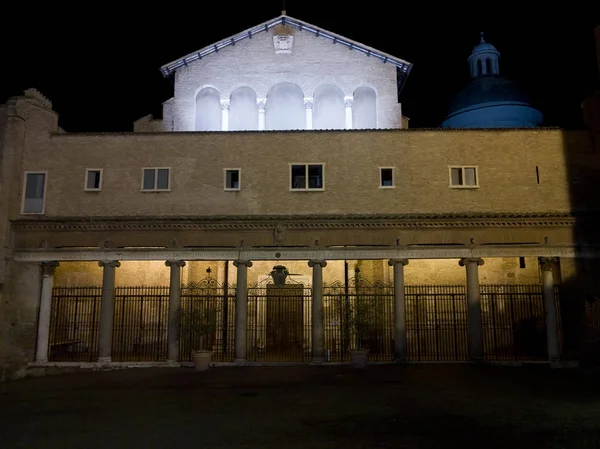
column 41, row 360
column 104, row 360
column 317, row 360
column 241, row 362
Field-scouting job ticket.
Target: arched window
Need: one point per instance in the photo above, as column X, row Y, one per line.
column 285, row 108
column 488, row 66
column 208, row 110
column 364, row 109
column 479, row 67
column 329, row 111
column 243, row 110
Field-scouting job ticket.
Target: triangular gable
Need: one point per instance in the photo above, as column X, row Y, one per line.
column 404, row 67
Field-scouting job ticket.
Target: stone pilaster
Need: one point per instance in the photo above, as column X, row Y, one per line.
column 317, row 328
column 43, row 334
column 107, row 309
column 547, row 264
column 174, row 309
column 399, row 309
column 241, row 311
column 474, row 307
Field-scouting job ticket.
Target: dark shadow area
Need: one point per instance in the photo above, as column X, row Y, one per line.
column 580, row 283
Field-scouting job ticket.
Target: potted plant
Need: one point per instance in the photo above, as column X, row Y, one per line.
column 360, row 321
column 200, row 324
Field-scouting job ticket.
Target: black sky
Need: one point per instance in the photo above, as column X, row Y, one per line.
column 99, row 65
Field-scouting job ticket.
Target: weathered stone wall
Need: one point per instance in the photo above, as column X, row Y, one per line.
column 506, row 159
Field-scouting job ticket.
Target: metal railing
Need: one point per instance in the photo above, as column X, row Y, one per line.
column 436, row 322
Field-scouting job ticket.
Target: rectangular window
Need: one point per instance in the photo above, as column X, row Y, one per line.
column 306, row 177
column 93, row 180
column 232, row 179
column 155, row 179
column 386, row 177
column 34, row 192
column 464, row 177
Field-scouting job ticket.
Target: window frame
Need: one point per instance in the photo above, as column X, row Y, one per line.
column 393, row 169
column 34, row 172
column 156, row 189
column 463, row 167
column 87, row 174
column 306, row 165
column 232, row 189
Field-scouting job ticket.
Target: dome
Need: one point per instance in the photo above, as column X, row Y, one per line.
column 483, row 46
column 488, row 89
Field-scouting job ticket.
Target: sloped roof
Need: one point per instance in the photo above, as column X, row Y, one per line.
column 404, row 67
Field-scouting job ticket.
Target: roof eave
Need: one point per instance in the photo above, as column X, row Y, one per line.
column 171, row 67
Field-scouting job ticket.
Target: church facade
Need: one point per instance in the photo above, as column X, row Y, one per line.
column 293, row 210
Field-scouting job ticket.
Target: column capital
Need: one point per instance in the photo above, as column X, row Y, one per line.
column 393, row 262
column 348, row 101
column 225, row 105
column 48, row 268
column 261, row 103
column 237, row 263
column 176, row 263
column 470, row 260
column 308, row 102
column 109, row 263
column 312, row 263
column 547, row 263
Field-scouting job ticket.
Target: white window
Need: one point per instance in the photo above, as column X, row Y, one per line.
column 34, row 193
column 93, row 180
column 306, row 177
column 386, row 177
column 156, row 179
column 232, row 178
column 464, row 176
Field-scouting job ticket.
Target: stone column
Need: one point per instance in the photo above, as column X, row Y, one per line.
column 225, row 115
column 174, row 309
column 107, row 308
column 348, row 103
column 261, row 103
column 318, row 331
column 399, row 309
column 474, row 307
column 43, row 334
column 241, row 310
column 308, row 105
column 546, row 264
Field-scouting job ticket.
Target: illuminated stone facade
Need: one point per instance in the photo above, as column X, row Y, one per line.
column 399, row 207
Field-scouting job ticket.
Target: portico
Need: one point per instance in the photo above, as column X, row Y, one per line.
column 323, row 338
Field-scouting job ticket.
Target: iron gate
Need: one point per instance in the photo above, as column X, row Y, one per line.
column 141, row 322
column 436, row 322
column 74, row 324
column 279, row 322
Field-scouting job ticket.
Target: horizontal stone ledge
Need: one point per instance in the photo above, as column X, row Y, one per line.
column 366, row 253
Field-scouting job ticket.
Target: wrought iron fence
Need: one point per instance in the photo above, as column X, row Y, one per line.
column 279, row 322
column 358, row 314
column 207, row 319
column 513, row 322
column 141, row 322
column 592, row 313
column 74, row 324
column 436, row 322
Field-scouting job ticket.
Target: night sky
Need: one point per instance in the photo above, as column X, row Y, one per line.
column 100, row 65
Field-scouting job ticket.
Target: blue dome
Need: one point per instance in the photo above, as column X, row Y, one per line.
column 488, row 89
column 483, row 47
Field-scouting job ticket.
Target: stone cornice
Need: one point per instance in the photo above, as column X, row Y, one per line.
column 295, row 222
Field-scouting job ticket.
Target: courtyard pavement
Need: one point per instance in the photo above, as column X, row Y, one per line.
column 388, row 406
